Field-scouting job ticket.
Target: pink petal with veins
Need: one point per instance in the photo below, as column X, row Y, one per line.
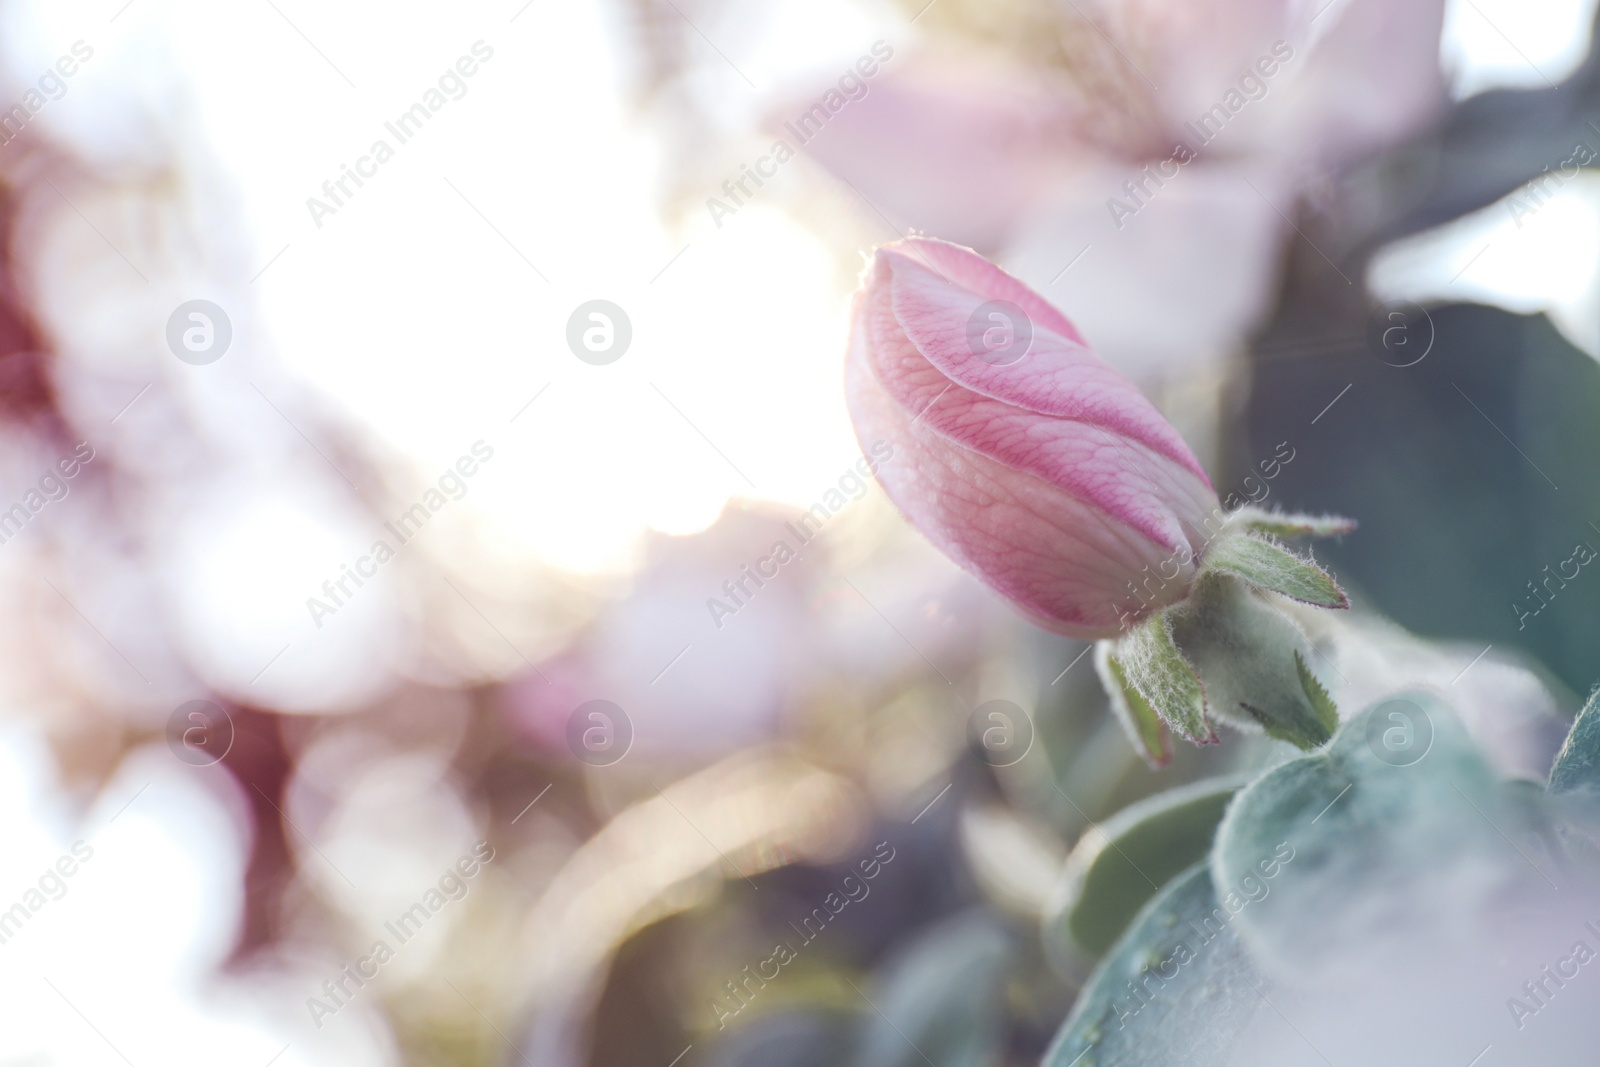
column 1052, row 478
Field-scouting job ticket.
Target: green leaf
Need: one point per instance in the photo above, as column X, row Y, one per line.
column 942, row 997
column 1155, row 669
column 1321, row 702
column 1143, row 726
column 1289, row 524
column 1120, row 864
column 1199, row 987
column 1399, row 825
column 1243, row 646
column 1577, row 765
column 1274, row 568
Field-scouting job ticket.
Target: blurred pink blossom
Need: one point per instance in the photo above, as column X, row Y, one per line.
column 1156, row 165
column 1043, row 471
column 689, row 688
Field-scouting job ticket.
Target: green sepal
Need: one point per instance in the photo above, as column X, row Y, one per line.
column 1143, row 726
column 1274, row 568
column 1243, row 645
column 1158, row 672
column 1321, row 702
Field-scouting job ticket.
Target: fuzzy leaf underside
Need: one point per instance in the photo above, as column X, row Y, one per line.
column 1577, row 765
column 1198, row 987
column 1402, row 811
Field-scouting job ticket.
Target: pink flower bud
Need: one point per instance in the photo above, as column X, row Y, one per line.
column 1019, row 452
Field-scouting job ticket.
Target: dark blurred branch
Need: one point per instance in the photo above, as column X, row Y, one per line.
column 1486, row 147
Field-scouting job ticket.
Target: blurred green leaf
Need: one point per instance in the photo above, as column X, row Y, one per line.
column 1177, row 988
column 1397, row 824
column 1452, row 465
column 1119, row 865
column 941, row 999
column 786, row 1039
